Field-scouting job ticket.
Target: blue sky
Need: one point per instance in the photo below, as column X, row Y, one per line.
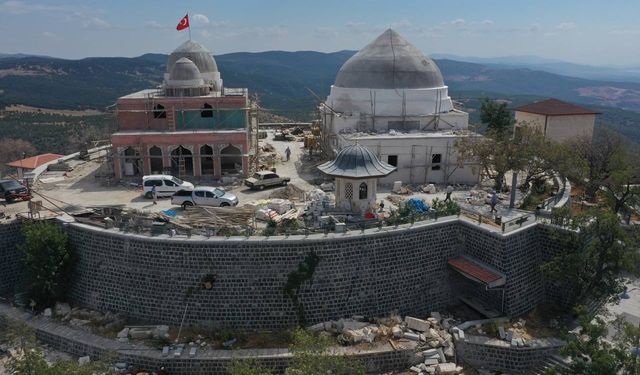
column 587, row 31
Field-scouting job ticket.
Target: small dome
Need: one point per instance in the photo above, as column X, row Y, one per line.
column 184, row 70
column 196, row 53
column 389, row 62
column 356, row 161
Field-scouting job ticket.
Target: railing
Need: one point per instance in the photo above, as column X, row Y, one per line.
column 505, row 226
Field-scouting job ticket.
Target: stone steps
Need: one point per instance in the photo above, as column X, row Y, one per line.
column 551, row 361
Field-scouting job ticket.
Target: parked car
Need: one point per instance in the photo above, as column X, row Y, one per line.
column 12, row 190
column 204, row 196
column 263, row 179
column 166, row 185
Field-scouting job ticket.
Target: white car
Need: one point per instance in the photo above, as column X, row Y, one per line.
column 166, row 185
column 204, row 196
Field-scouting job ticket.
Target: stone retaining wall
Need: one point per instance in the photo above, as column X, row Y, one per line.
column 10, row 236
column 494, row 354
column 368, row 274
column 210, row 362
column 404, row 269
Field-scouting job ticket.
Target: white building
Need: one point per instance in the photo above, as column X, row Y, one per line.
column 559, row 121
column 392, row 99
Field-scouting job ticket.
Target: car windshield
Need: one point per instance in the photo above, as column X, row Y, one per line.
column 8, row 185
column 218, row 192
column 177, row 181
column 256, row 176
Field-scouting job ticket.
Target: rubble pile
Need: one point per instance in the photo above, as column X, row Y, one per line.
column 434, row 345
column 89, row 320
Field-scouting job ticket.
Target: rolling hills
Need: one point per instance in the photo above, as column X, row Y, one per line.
column 282, row 80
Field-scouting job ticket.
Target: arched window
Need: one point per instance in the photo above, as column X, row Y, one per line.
column 155, row 160
column 207, row 112
column 348, row 191
column 159, row 112
column 363, row 191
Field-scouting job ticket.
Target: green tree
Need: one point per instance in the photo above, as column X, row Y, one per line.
column 312, row 356
column 497, row 117
column 30, row 359
column 247, row 367
column 593, row 255
column 592, row 354
column 48, row 262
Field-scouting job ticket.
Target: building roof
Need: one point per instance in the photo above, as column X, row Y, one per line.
column 476, row 271
column 34, row 161
column 389, row 62
column 356, row 161
column 196, row 53
column 555, row 107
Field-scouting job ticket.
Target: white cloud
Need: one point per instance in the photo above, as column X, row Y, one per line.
column 95, row 22
column 22, row 7
column 199, row 19
column 458, row 22
column 153, row 25
column 565, row 26
column 487, row 22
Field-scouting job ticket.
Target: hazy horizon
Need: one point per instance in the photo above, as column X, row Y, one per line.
column 571, row 31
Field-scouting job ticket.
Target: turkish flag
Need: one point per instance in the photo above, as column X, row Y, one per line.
column 184, row 23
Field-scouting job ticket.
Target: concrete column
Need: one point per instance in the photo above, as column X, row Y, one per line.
column 166, row 157
column 217, row 167
column 197, row 165
column 245, row 165
column 117, row 167
column 146, row 162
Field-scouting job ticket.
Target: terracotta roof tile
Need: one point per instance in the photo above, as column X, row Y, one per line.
column 555, row 107
column 34, row 161
column 474, row 270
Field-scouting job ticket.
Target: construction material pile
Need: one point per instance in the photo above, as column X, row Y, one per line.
column 218, row 219
column 290, row 192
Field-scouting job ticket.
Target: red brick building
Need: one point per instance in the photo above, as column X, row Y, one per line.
column 190, row 126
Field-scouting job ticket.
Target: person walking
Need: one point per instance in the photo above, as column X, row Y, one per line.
column 287, row 152
column 381, row 206
column 154, row 194
column 494, row 202
column 449, row 191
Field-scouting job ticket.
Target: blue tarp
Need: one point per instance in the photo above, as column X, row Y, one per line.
column 418, row 204
column 169, row 213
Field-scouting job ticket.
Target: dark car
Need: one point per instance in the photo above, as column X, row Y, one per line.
column 12, row 190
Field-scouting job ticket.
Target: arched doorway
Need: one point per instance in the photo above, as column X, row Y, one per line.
column 155, row 160
column 132, row 163
column 159, row 112
column 207, row 110
column 231, row 159
column 206, row 160
column 181, row 162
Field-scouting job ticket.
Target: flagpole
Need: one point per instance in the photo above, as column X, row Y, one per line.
column 189, row 27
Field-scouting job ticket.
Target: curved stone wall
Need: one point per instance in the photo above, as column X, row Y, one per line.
column 404, row 269
column 149, row 278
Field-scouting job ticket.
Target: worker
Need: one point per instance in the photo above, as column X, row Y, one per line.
column 449, row 191
column 287, row 152
column 494, row 201
column 154, row 194
column 381, row 206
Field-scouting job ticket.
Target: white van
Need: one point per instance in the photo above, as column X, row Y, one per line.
column 166, row 185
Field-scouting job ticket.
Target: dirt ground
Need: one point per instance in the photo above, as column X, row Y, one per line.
column 82, row 188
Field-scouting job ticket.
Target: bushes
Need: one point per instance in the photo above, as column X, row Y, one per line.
column 48, row 262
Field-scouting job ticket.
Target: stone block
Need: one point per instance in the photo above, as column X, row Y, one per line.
column 436, row 315
column 417, row 324
column 48, row 313
column 124, row 333
column 431, row 361
column 140, row 334
column 61, row 309
column 411, row 336
column 84, row 360
column 446, row 369
column 397, row 332
column 502, row 333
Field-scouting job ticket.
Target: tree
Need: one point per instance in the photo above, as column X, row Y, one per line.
column 31, row 360
column 311, row 356
column 592, row 257
column 247, row 367
column 498, row 155
column 592, row 354
column 14, row 149
column 598, row 155
column 497, row 117
column 621, row 187
column 48, row 262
